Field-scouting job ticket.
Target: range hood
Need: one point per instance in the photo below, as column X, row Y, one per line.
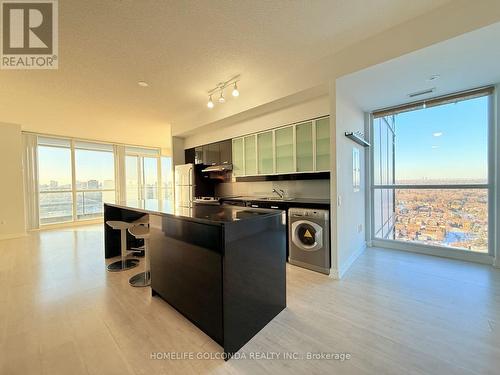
column 218, row 168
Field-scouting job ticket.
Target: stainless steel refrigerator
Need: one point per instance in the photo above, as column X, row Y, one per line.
column 184, row 185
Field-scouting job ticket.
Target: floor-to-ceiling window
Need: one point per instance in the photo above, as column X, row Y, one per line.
column 76, row 177
column 55, row 181
column 94, row 178
column 430, row 172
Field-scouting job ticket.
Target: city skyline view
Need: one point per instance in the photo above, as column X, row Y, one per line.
column 442, row 145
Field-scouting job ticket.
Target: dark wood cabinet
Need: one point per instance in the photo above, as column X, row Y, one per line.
column 189, row 156
column 198, row 155
column 225, row 152
column 211, row 154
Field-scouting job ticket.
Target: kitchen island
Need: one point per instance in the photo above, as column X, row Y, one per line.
column 222, row 267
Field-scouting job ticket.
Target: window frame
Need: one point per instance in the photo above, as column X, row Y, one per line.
column 457, row 253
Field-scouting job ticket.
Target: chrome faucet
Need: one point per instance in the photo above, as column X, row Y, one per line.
column 279, row 192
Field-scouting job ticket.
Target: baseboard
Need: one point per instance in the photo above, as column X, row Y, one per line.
column 12, row 236
column 334, row 274
column 345, row 267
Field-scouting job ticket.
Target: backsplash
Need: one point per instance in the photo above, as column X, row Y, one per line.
column 294, row 189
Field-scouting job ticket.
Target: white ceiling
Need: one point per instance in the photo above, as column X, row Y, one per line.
column 182, row 48
column 468, row 61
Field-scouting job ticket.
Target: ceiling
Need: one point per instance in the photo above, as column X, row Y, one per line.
column 464, row 62
column 182, row 49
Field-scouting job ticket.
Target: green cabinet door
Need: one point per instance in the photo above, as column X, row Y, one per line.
column 250, row 155
column 284, row 150
column 323, row 144
column 265, row 152
column 304, row 145
column 237, row 156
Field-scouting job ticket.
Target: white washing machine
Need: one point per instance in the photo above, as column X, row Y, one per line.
column 309, row 239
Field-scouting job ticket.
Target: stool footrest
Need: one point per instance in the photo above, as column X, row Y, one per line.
column 141, row 279
column 122, row 265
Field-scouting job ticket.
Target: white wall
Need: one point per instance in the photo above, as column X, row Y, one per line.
column 303, row 111
column 12, row 222
column 496, row 119
column 350, row 226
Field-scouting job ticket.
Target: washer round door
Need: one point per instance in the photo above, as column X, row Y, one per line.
column 307, row 235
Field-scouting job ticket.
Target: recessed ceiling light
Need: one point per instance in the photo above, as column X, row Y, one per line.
column 143, row 84
column 437, row 134
column 435, row 146
column 433, row 77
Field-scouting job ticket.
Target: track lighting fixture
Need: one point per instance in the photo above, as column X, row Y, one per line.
column 220, row 89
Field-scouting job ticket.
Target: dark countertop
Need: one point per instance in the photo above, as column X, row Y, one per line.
column 208, row 214
column 288, row 201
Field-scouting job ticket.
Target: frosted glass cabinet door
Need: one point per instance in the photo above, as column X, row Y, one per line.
column 265, row 152
column 250, row 156
column 238, row 169
column 284, row 150
column 323, row 144
column 304, row 147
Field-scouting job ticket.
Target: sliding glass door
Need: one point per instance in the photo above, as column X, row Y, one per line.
column 430, row 173
column 142, row 176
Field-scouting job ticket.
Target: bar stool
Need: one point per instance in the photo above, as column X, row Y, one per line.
column 139, row 251
column 143, row 278
column 124, row 263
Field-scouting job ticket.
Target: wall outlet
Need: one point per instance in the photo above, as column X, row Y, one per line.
column 360, row 228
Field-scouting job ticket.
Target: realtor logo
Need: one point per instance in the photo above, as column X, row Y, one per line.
column 29, row 34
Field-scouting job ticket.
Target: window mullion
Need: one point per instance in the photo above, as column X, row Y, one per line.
column 73, row 180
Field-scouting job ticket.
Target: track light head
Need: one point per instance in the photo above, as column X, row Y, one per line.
column 210, row 103
column 235, row 92
column 221, row 97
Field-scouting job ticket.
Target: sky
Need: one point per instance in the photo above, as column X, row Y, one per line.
column 55, row 164
column 447, row 142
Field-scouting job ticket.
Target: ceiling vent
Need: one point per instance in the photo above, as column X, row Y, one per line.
column 424, row 92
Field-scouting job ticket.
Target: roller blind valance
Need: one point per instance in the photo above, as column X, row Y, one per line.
column 441, row 100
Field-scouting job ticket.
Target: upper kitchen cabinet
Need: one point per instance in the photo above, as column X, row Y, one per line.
column 211, row 154
column 304, row 147
column 284, row 150
column 238, row 156
column 225, row 148
column 250, row 155
column 323, row 144
column 189, row 155
column 265, row 152
column 198, row 155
